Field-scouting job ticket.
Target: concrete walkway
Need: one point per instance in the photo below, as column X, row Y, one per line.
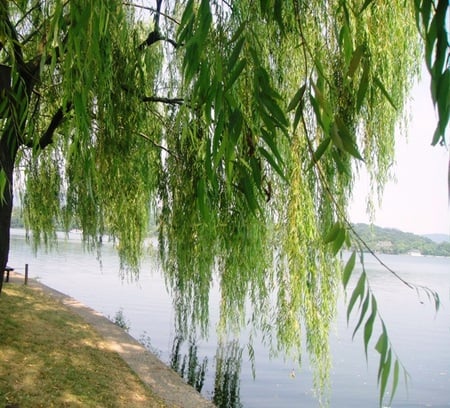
column 162, row 380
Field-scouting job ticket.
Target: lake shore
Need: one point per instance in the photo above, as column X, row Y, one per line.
column 167, row 386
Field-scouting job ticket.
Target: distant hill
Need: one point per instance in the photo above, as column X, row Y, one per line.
column 438, row 237
column 393, row 241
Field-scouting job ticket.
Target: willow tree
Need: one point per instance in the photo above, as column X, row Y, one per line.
column 240, row 124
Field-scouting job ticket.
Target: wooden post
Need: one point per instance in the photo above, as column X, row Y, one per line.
column 26, row 274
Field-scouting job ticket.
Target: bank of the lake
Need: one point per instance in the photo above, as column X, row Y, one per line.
column 55, row 351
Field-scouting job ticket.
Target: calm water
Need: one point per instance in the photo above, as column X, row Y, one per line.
column 420, row 337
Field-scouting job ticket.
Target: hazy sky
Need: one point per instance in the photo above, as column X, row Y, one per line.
column 418, row 202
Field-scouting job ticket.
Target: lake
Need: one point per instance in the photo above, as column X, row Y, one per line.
column 420, row 336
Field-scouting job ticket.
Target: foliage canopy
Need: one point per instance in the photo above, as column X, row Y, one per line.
column 239, row 125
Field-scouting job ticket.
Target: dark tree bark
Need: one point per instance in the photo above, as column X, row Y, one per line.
column 10, row 140
column 8, row 151
column 16, row 112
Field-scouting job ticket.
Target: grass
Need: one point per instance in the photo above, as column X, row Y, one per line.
column 49, row 357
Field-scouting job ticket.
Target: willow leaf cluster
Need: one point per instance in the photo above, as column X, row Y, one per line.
column 238, row 126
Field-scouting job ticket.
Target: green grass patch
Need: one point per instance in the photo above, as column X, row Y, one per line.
column 49, row 357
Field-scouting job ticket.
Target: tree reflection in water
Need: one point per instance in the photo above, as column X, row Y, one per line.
column 228, row 370
column 192, row 369
column 188, row 366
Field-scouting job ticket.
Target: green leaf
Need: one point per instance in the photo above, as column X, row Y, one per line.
column 395, row 380
column 217, row 139
column 265, row 5
column 430, row 40
column 238, row 32
column 271, row 161
column 380, row 85
column 297, row 98
column 356, row 59
column 191, row 61
column 187, row 13
column 368, row 327
column 385, row 375
column 201, row 199
column 336, row 138
column 274, row 109
column 382, row 347
column 210, row 173
column 235, row 73
column 205, row 19
column 270, row 140
column 357, row 293
column 382, row 343
column 267, row 119
column 218, row 100
column 342, row 167
column 436, row 136
column 345, row 42
column 350, row 265
column 425, row 10
column 316, row 108
column 363, row 86
column 278, row 13
column 333, row 233
column 339, row 241
column 263, row 83
column 255, row 164
column 347, row 140
column 365, row 5
column 298, row 114
column 323, row 103
column 321, row 149
column 249, row 193
column 187, row 22
column 235, row 53
column 362, row 314
column 235, row 126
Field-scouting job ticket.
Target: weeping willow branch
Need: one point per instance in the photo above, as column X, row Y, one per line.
column 389, row 362
column 153, row 10
column 158, row 145
column 12, row 33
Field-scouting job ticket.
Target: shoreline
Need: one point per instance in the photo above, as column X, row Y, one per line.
column 156, row 375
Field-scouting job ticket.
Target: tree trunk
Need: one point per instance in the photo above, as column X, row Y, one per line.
column 8, row 150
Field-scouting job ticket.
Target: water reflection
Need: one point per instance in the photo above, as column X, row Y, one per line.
column 227, row 377
column 184, row 359
column 188, row 366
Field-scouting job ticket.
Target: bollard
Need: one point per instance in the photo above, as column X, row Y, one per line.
column 26, row 274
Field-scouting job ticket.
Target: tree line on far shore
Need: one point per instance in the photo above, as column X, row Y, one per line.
column 393, row 241
column 384, row 240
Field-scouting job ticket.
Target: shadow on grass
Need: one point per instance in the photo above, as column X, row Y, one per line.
column 51, row 357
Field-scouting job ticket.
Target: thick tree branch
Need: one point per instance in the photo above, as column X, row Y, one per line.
column 155, row 35
column 160, row 99
column 157, row 14
column 47, row 137
column 170, row 101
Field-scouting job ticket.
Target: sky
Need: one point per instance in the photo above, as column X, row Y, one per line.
column 418, row 201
